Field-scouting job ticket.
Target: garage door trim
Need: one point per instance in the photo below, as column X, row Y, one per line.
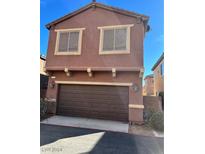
column 95, row 83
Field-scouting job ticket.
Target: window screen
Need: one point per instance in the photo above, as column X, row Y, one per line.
column 114, row 39
column 73, row 41
column 108, row 40
column 63, row 42
column 120, row 39
column 68, row 41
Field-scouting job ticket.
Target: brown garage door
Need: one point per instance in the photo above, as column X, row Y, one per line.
column 101, row 102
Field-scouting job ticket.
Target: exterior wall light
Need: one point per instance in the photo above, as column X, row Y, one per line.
column 52, row 84
column 135, row 87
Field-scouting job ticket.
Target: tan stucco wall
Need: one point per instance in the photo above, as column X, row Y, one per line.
column 42, row 66
column 149, row 86
column 152, row 103
column 143, row 91
column 158, row 80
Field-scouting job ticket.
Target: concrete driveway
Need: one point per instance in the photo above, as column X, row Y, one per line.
column 108, row 125
column 64, row 140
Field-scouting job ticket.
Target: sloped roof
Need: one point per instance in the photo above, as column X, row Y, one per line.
column 158, row 61
column 106, row 7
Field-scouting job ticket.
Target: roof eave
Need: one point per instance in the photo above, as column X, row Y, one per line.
column 158, row 61
column 48, row 26
column 120, row 11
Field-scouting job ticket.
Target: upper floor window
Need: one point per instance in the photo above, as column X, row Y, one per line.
column 162, row 69
column 69, row 41
column 115, row 39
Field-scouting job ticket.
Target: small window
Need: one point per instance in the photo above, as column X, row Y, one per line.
column 68, row 42
column 114, row 39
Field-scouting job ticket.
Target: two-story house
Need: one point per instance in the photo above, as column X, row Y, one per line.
column 158, row 70
column 149, row 85
column 95, row 62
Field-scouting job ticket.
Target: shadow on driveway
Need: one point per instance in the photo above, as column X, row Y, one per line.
column 76, row 140
column 51, row 133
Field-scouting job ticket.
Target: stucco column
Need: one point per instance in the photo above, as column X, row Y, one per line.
column 51, row 96
column 52, row 89
column 136, row 103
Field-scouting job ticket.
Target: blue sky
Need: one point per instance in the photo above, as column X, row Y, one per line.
column 154, row 40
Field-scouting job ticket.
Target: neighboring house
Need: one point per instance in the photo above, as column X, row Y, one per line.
column 149, row 85
column 143, row 91
column 95, row 62
column 43, row 77
column 158, row 70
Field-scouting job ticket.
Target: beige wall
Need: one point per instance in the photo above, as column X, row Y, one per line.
column 158, row 80
column 152, row 103
column 42, row 66
column 149, row 86
column 144, row 91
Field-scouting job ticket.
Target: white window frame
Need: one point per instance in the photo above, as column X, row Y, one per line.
column 57, row 52
column 127, row 51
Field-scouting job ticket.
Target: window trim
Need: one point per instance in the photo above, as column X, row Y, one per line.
column 127, row 51
column 57, row 52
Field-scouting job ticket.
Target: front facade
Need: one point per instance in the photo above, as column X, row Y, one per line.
column 95, row 63
column 149, row 85
column 158, row 70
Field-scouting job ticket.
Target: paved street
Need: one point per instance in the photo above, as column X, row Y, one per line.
column 68, row 140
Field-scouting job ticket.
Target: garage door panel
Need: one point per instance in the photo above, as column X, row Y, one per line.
column 105, row 111
column 108, row 106
column 90, row 95
column 80, row 111
column 76, row 114
column 92, row 87
column 113, row 92
column 103, row 102
column 86, row 101
column 95, row 107
column 71, row 110
column 108, row 100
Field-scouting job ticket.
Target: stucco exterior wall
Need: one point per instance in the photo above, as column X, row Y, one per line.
column 158, row 80
column 90, row 20
column 153, row 103
column 149, row 86
column 135, row 115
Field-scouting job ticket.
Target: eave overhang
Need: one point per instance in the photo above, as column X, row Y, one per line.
column 141, row 17
column 131, row 69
